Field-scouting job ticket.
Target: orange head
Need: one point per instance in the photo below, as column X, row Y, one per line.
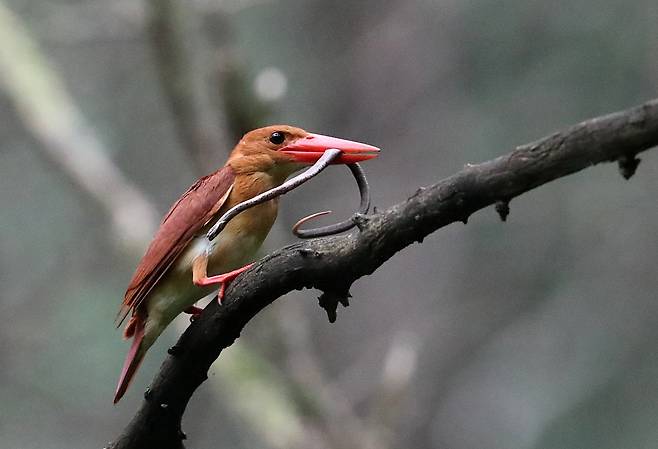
column 289, row 148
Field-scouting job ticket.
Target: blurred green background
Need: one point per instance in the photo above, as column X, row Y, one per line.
column 538, row 333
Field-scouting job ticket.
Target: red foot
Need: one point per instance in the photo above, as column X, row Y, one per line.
column 223, row 279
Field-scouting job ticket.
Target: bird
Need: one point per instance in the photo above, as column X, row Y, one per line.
column 174, row 272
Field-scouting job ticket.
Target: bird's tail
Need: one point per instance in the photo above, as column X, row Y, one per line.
column 135, row 329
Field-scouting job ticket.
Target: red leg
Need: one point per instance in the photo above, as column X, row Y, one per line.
column 200, row 277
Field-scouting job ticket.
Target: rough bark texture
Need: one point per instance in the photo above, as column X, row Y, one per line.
column 331, row 264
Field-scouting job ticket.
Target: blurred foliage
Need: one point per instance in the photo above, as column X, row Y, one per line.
column 534, row 334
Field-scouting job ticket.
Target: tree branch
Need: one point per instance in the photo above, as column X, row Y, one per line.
column 200, row 124
column 332, row 264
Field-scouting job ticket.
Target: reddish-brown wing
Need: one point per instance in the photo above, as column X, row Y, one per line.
column 183, row 221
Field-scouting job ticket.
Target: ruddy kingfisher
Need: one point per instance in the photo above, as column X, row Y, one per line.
column 174, row 273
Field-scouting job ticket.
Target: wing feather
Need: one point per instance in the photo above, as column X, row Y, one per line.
column 184, row 220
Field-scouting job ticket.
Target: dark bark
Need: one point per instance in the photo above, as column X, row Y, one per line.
column 332, row 264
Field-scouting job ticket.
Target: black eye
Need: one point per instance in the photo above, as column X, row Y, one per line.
column 277, row 137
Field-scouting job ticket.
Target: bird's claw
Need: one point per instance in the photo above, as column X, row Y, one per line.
column 225, row 279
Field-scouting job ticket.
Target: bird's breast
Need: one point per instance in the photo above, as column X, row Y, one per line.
column 236, row 244
column 242, row 238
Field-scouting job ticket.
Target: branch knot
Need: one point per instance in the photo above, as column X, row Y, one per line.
column 628, row 164
column 331, row 297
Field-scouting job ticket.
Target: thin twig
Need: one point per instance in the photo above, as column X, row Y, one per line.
column 184, row 78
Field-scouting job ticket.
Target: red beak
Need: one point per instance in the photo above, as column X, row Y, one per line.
column 310, row 148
